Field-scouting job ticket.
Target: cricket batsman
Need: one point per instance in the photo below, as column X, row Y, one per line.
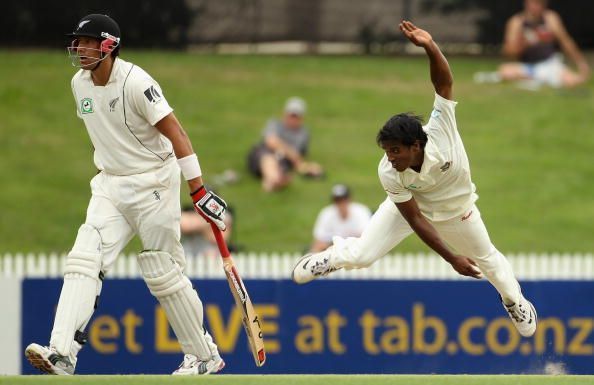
column 426, row 175
column 139, row 149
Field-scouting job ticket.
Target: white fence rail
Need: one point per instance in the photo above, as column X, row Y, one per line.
column 278, row 266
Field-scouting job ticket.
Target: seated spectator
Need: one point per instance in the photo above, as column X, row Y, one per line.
column 283, row 148
column 342, row 218
column 532, row 39
column 196, row 235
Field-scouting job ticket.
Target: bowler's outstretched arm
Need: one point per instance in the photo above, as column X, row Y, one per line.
column 441, row 75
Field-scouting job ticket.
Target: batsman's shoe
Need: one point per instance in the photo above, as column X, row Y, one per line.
column 523, row 315
column 312, row 266
column 48, row 360
column 192, row 366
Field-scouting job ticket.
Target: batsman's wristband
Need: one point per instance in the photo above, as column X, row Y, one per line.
column 197, row 191
column 190, row 167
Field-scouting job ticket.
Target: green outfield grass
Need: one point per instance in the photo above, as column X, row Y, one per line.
column 531, row 153
column 303, row 379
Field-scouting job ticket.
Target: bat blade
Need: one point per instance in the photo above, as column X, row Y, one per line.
column 250, row 320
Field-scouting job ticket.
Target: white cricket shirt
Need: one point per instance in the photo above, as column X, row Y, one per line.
column 120, row 118
column 329, row 222
column 443, row 188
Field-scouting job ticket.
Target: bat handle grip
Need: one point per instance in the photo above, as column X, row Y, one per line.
column 220, row 241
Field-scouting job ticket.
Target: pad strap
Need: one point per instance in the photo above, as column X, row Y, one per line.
column 81, row 337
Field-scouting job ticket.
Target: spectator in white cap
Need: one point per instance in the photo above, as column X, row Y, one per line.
column 283, row 148
column 343, row 218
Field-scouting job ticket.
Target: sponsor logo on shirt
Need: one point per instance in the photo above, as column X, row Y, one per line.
column 446, row 166
column 152, row 94
column 413, row 186
column 157, row 195
column 86, row 106
column 465, row 217
column 112, row 104
column 435, row 113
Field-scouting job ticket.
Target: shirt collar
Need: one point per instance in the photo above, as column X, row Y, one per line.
column 112, row 76
column 429, row 160
column 114, row 70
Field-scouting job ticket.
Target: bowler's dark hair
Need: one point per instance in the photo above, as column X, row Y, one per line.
column 404, row 128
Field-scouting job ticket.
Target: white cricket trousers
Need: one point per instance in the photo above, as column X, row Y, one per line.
column 466, row 234
column 146, row 204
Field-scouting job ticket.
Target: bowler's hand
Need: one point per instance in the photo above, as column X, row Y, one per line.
column 466, row 266
column 210, row 206
column 417, row 36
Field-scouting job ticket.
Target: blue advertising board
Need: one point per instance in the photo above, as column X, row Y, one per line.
column 332, row 326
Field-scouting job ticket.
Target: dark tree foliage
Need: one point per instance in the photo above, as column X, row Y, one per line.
column 146, row 23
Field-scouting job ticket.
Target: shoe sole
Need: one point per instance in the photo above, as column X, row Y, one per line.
column 221, row 366
column 533, row 311
column 535, row 321
column 535, row 318
column 296, row 266
column 213, row 371
column 41, row 363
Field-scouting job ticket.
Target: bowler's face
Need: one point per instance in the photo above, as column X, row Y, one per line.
column 400, row 156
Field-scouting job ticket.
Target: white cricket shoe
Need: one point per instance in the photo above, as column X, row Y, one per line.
column 312, row 266
column 523, row 315
column 48, row 360
column 192, row 366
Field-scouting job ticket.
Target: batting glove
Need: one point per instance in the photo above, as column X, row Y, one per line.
column 210, row 206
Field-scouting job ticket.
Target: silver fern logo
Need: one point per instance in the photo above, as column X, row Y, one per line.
column 82, row 23
column 112, row 104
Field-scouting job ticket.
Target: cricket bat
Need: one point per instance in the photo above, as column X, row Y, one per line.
column 250, row 319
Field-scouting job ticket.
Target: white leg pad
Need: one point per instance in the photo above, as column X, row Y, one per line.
column 80, row 289
column 167, row 282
